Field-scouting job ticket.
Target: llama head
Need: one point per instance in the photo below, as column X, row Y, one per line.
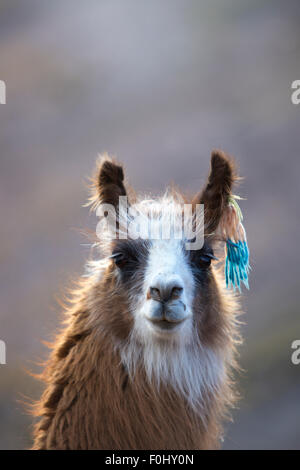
column 171, row 290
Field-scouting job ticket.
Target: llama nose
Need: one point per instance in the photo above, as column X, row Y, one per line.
column 163, row 290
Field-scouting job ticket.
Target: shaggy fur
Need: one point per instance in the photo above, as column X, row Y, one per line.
column 107, row 386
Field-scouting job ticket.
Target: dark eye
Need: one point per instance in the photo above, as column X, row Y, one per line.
column 119, row 259
column 205, row 260
column 129, row 256
column 202, row 258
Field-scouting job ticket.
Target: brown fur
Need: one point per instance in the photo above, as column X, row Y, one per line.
column 90, row 402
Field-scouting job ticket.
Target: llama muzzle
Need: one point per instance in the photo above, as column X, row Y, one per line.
column 165, row 302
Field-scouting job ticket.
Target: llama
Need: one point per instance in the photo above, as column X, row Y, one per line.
column 146, row 355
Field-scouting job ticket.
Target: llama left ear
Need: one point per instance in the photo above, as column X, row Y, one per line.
column 223, row 215
column 217, row 190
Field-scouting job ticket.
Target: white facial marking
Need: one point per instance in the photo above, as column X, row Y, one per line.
column 167, row 273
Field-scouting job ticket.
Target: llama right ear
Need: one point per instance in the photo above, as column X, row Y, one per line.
column 107, row 183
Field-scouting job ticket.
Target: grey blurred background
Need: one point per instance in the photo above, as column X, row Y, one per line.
column 158, row 84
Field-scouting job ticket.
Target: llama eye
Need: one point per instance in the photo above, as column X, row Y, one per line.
column 206, row 258
column 202, row 259
column 205, row 261
column 119, row 259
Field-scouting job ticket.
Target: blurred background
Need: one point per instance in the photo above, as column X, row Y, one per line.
column 158, row 84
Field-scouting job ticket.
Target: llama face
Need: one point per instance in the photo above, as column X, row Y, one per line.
column 160, row 284
column 161, row 277
column 170, row 292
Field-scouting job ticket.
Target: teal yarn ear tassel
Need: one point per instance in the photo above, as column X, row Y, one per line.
column 237, row 264
column 237, row 252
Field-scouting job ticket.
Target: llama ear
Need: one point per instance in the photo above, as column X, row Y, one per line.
column 222, row 214
column 216, row 193
column 107, row 183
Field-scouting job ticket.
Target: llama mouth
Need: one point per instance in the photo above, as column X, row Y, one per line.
column 165, row 325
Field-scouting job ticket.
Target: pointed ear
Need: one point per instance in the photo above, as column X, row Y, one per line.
column 217, row 190
column 107, row 183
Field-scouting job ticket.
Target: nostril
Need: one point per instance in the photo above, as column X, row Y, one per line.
column 176, row 292
column 153, row 293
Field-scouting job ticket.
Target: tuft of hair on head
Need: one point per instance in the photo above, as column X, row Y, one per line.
column 216, row 193
column 107, row 183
